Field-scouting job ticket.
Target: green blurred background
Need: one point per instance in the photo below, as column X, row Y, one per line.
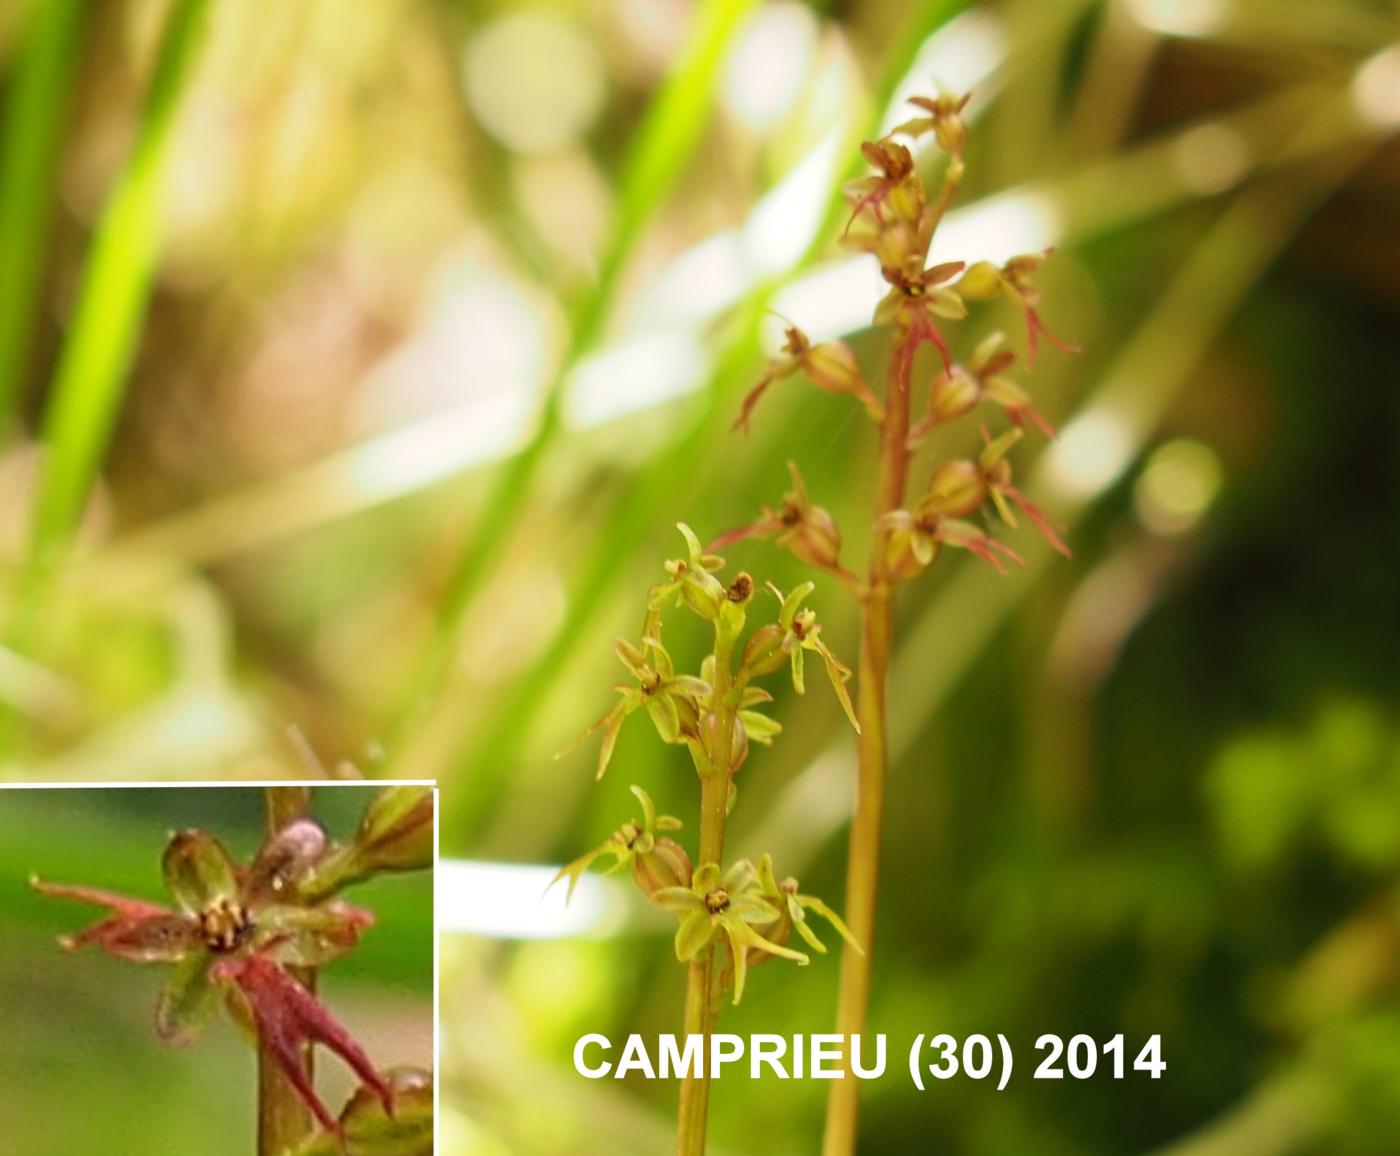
column 83, row 1068
column 357, row 359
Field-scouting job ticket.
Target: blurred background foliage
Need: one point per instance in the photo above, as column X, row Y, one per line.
column 356, row 360
column 80, row 1051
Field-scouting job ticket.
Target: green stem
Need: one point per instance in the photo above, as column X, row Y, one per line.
column 714, row 812
column 863, row 853
column 283, row 1119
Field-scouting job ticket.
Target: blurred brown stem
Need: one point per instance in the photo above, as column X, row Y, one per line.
column 863, row 852
column 283, row 1119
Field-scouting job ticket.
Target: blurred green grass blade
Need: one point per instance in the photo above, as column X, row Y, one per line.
column 33, row 129
column 665, row 142
column 106, row 323
column 639, row 511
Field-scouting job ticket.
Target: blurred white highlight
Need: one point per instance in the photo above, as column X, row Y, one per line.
column 1179, row 17
column 1211, row 158
column 770, row 64
column 960, row 57
column 534, row 79
column 635, row 374
column 1375, row 91
column 515, row 901
column 1091, row 453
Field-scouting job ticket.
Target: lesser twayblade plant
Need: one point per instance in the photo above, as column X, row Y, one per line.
column 894, row 218
column 729, row 918
column 253, row 937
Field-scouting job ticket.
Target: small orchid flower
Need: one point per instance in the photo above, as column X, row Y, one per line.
column 942, row 116
column 915, row 536
column 995, row 471
column 656, row 861
column 1015, row 281
column 725, row 906
column 672, row 700
column 793, row 907
column 802, row 632
column 234, row 926
column 829, row 365
column 691, row 580
column 894, row 165
column 960, row 388
column 918, row 296
column 806, row 530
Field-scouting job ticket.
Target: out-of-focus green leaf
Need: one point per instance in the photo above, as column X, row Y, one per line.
column 106, row 323
column 34, row 118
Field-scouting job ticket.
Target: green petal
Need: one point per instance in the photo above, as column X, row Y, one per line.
column 312, row 936
column 838, row 674
column 678, row 899
column 665, row 717
column 186, row 1000
column 198, row 871
column 797, row 671
column 739, row 877
column 692, row 543
column 739, row 953
column 811, row 902
column 694, row 934
column 648, row 808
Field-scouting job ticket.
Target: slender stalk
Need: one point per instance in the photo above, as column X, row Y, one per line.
column 863, row 854
column 283, row 1119
column 714, row 809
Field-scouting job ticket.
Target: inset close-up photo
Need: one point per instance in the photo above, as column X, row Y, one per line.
column 285, row 943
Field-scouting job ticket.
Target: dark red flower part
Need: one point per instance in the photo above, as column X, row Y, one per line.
column 287, row 1017
column 133, row 929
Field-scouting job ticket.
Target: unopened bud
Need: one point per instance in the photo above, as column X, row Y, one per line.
column 952, row 394
column 957, row 488
column 832, row 366
column 665, row 865
column 764, row 652
column 368, row 1128
column 981, row 282
column 396, row 833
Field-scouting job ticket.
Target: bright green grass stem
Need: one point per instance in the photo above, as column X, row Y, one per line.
column 103, row 333
column 33, row 128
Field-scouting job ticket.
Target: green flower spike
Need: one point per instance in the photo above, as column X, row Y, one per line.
column 793, row 908
column 729, row 905
column 657, row 862
column 802, row 632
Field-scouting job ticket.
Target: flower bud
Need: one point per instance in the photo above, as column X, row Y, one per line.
column 665, row 865
column 952, row 395
column 981, row 282
column 764, row 652
column 832, row 366
column 902, row 554
column 396, row 833
column 957, row 488
column 815, row 539
column 369, row 1130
